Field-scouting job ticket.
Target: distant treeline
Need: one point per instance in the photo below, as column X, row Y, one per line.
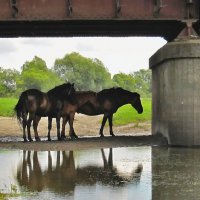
column 86, row 73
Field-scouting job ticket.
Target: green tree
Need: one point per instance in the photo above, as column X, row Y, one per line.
column 86, row 73
column 35, row 74
column 102, row 77
column 139, row 81
column 143, row 80
column 125, row 81
column 9, row 79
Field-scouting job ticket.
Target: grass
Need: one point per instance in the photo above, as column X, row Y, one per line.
column 7, row 196
column 127, row 114
column 7, row 106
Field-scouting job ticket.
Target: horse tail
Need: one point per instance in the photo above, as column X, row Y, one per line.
column 20, row 107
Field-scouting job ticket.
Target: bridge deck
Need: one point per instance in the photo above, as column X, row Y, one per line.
column 97, row 18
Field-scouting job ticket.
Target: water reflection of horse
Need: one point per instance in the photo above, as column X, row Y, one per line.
column 105, row 102
column 65, row 176
column 35, row 104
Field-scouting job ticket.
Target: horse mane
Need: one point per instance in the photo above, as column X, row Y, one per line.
column 121, row 90
column 116, row 91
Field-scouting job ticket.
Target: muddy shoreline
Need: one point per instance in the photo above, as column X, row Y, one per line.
column 86, row 128
column 84, row 143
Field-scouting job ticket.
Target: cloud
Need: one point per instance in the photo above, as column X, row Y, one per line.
column 82, row 47
column 36, row 41
column 125, row 54
column 7, row 47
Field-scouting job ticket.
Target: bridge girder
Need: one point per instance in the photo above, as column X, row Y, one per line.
column 164, row 18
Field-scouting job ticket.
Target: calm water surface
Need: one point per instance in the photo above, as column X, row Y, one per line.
column 141, row 173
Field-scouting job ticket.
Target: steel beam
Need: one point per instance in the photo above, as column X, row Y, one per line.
column 93, row 17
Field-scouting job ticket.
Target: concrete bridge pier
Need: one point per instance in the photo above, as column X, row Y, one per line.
column 176, row 92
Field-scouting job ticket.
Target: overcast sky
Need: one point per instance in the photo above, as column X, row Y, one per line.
column 119, row 54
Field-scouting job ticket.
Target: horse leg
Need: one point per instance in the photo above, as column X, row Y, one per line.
column 102, row 125
column 65, row 119
column 105, row 163
column 30, row 119
column 49, row 128
column 24, row 133
column 110, row 159
column 49, row 162
column 110, row 119
column 24, row 124
column 58, row 160
column 72, row 133
column 35, row 125
column 58, row 127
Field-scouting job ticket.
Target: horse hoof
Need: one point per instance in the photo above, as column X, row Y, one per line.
column 25, row 140
column 75, row 136
column 63, row 138
column 30, row 140
column 112, row 135
column 37, row 139
column 72, row 137
column 49, row 139
column 101, row 136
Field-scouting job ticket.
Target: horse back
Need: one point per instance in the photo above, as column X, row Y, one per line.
column 35, row 100
column 83, row 97
column 87, row 103
column 107, row 94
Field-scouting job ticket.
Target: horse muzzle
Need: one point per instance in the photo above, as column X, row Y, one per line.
column 140, row 111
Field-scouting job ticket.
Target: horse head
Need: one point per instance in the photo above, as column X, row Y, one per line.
column 64, row 91
column 67, row 90
column 136, row 102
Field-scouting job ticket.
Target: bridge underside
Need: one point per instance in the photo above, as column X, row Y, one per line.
column 92, row 28
column 98, row 18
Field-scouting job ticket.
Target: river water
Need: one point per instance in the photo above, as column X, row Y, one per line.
column 142, row 173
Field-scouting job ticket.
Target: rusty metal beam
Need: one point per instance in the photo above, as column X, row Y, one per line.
column 165, row 18
column 92, row 28
column 95, row 9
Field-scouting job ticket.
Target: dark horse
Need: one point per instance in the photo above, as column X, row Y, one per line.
column 105, row 102
column 34, row 104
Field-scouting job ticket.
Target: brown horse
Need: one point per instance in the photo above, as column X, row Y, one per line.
column 81, row 98
column 105, row 102
column 34, row 104
column 69, row 109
